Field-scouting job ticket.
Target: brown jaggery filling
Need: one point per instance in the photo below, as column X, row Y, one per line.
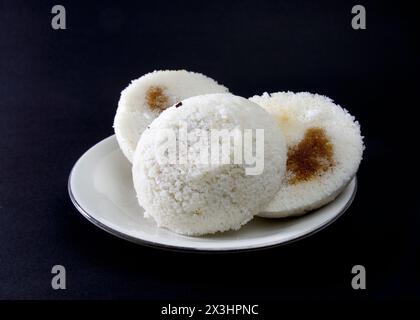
column 312, row 156
column 156, row 99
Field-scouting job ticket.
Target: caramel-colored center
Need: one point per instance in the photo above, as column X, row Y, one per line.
column 156, row 99
column 312, row 156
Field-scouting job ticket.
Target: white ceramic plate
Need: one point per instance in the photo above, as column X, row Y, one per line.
column 101, row 188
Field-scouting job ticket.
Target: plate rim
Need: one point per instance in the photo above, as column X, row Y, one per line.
column 177, row 248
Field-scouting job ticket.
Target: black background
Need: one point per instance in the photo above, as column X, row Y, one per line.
column 58, row 94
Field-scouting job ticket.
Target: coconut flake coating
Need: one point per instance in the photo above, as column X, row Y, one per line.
column 146, row 97
column 195, row 198
column 325, row 148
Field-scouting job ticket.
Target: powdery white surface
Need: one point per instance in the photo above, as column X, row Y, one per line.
column 297, row 112
column 133, row 113
column 194, row 198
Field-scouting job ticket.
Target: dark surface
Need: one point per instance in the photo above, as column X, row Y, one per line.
column 58, row 95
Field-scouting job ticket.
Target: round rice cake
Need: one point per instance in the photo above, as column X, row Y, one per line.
column 325, row 148
column 197, row 196
column 146, row 97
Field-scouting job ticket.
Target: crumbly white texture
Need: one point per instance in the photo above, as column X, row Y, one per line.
column 295, row 113
column 194, row 199
column 133, row 113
